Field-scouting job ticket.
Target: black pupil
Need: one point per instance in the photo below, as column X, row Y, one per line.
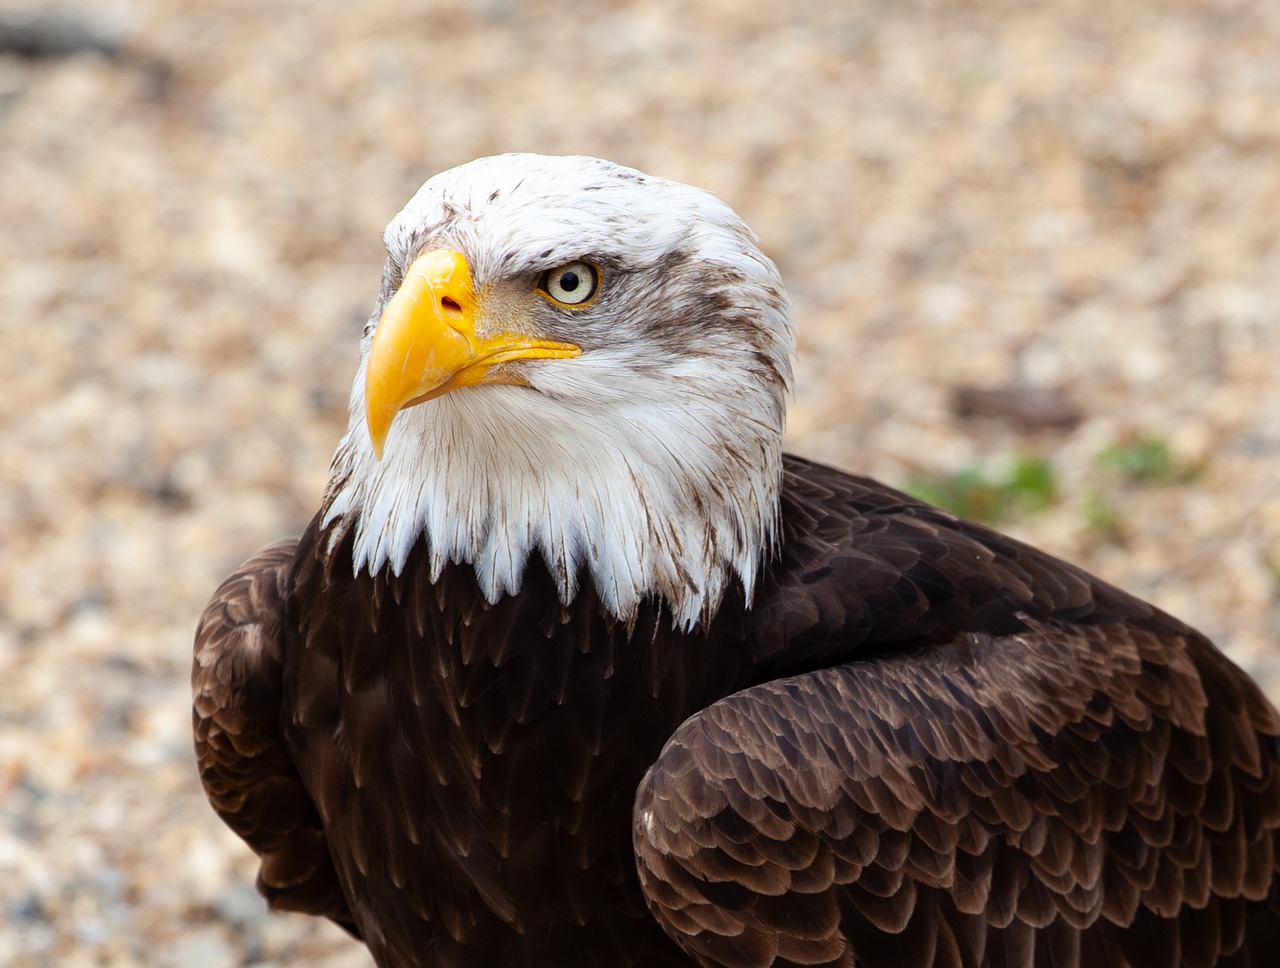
column 569, row 281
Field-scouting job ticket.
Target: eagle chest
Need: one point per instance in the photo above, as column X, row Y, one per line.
column 478, row 763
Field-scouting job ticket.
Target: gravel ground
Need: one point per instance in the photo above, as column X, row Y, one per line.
column 1076, row 199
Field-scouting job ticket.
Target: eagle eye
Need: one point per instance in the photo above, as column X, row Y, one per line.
column 572, row 284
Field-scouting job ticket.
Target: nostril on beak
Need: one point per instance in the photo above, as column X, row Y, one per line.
column 449, row 304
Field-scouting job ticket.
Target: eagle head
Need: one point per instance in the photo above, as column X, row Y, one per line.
column 571, row 358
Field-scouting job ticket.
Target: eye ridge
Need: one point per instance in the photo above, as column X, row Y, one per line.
column 573, row 284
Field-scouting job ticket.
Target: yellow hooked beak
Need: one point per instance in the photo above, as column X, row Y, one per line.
column 426, row 343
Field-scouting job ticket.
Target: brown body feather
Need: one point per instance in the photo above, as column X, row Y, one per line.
column 924, row 744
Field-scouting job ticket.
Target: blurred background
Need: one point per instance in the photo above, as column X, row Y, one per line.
column 1034, row 251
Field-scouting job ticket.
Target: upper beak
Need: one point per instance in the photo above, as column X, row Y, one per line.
column 426, row 343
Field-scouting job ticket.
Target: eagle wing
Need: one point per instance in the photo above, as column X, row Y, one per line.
column 1065, row 777
column 246, row 771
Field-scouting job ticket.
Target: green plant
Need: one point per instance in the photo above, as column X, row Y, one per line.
column 1147, row 460
column 1026, row 485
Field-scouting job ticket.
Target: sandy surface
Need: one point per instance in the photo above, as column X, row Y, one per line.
column 1082, row 197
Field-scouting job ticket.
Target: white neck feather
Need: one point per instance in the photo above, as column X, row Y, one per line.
column 643, row 505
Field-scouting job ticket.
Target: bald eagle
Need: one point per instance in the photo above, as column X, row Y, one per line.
column 575, row 667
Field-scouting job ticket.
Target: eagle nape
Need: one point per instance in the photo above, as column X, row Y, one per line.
column 574, row 666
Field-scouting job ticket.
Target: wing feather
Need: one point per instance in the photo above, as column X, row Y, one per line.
column 885, row 837
column 246, row 771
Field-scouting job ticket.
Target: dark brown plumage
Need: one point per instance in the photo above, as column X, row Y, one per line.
column 930, row 740
column 921, row 743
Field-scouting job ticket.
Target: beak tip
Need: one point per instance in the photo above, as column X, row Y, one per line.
column 377, row 437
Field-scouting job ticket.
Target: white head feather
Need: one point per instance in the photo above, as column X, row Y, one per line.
column 652, row 462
